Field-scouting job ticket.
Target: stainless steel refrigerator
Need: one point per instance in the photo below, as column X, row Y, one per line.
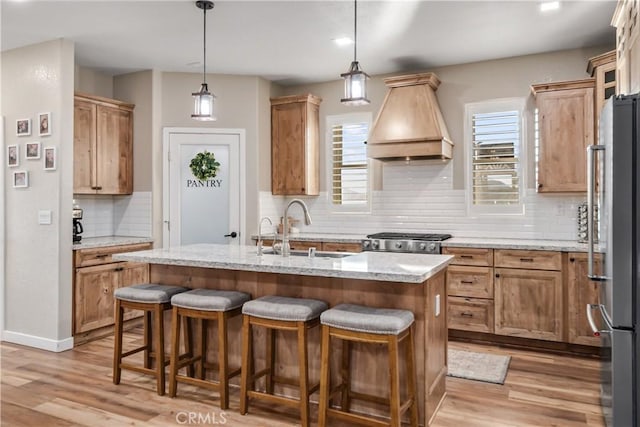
column 613, row 171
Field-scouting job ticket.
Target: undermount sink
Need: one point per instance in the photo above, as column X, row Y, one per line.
column 318, row 254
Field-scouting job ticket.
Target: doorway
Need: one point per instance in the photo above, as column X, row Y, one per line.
column 203, row 186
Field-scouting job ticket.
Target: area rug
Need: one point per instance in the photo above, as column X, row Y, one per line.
column 490, row 368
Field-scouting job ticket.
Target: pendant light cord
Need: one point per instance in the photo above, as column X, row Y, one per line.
column 204, row 60
column 355, row 29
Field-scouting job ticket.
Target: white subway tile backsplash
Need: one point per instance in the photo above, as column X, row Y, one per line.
column 419, row 197
column 116, row 215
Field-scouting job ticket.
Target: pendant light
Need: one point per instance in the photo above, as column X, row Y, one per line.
column 204, row 101
column 355, row 80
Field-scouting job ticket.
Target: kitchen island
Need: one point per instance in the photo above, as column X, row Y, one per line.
column 392, row 280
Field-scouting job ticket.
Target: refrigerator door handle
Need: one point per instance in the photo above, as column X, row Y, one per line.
column 597, row 332
column 591, row 195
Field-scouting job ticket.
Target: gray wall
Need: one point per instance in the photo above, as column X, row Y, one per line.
column 93, row 82
column 35, row 79
column 461, row 84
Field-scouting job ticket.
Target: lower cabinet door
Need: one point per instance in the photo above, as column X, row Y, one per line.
column 528, row 303
column 94, row 297
column 470, row 314
column 580, row 292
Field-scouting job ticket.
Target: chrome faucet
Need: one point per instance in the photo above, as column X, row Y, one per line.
column 259, row 253
column 286, row 250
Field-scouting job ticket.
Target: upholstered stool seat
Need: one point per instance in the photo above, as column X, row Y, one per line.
column 284, row 314
column 357, row 323
column 204, row 305
column 150, row 298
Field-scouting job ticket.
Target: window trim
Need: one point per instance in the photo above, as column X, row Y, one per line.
column 489, row 106
column 331, row 121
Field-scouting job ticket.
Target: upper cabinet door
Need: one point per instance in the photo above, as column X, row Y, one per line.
column 103, row 146
column 84, row 147
column 565, row 125
column 295, row 143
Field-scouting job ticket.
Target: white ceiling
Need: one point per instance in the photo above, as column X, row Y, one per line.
column 290, row 42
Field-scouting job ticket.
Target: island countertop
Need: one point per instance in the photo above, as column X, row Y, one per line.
column 382, row 266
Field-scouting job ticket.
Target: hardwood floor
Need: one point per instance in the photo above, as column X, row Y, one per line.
column 75, row 388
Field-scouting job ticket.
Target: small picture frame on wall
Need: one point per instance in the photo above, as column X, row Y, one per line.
column 23, row 127
column 13, row 156
column 44, row 124
column 50, row 158
column 20, row 179
column 32, row 151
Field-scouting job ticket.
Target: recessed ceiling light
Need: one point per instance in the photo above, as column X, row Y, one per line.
column 343, row 41
column 549, row 5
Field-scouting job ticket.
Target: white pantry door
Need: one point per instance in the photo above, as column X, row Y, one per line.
column 197, row 210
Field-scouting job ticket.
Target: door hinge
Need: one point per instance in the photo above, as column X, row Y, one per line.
column 168, row 225
column 168, row 156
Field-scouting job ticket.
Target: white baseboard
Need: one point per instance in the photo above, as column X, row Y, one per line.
column 38, row 342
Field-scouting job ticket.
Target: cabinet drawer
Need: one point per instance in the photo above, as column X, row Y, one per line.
column 470, row 314
column 470, row 256
column 97, row 256
column 303, row 245
column 466, row 281
column 536, row 260
column 341, row 247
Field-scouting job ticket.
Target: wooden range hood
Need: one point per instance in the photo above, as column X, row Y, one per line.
column 409, row 124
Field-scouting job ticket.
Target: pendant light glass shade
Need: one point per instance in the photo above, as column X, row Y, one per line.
column 204, row 104
column 355, row 86
column 355, row 80
column 204, row 107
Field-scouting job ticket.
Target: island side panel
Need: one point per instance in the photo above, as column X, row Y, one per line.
column 369, row 367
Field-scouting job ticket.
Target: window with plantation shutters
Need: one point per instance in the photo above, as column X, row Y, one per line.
column 495, row 138
column 349, row 172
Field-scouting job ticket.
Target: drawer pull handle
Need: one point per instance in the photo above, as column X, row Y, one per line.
column 466, row 256
column 467, row 282
column 466, row 314
column 102, row 256
column 526, row 259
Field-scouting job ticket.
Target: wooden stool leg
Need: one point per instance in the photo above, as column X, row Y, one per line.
column 117, row 345
column 188, row 344
column 411, row 381
column 247, row 363
column 175, row 347
column 345, row 373
column 271, row 359
column 303, row 360
column 203, row 349
column 147, row 339
column 223, row 361
column 325, row 377
column 159, row 350
column 394, row 381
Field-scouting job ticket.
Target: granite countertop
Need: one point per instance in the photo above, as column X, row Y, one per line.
column 469, row 242
column 383, row 266
column 106, row 241
column 526, row 244
column 317, row 237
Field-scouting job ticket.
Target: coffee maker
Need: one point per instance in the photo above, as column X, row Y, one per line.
column 77, row 225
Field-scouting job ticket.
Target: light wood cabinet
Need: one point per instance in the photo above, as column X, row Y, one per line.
column 603, row 69
column 341, row 247
column 102, row 146
column 528, row 303
column 565, row 128
column 295, row 140
column 626, row 19
column 96, row 278
column 470, row 289
column 303, row 245
column 580, row 292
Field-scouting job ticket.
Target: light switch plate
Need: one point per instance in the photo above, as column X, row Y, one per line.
column 44, row 217
column 437, row 305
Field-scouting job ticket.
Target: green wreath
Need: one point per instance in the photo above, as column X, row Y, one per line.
column 204, row 166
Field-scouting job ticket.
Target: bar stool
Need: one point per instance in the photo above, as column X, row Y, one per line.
column 150, row 298
column 204, row 305
column 357, row 323
column 285, row 314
